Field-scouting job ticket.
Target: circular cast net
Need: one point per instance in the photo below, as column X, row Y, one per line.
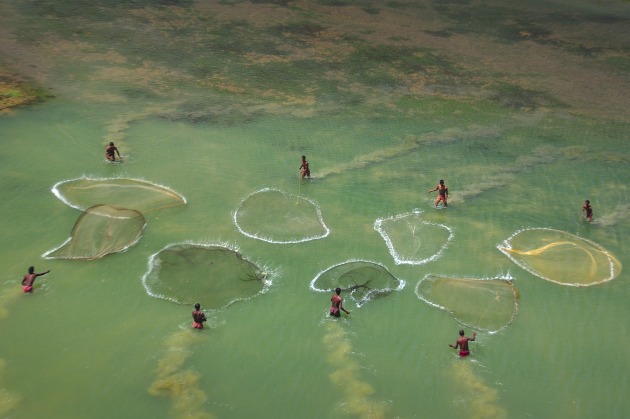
column 99, row 231
column 411, row 240
column 214, row 276
column 364, row 281
column 278, row 217
column 482, row 304
column 561, row 257
column 127, row 193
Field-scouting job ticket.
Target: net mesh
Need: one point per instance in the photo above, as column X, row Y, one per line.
column 561, row 257
column 411, row 240
column 364, row 281
column 213, row 275
column 99, row 231
column 278, row 217
column 126, row 193
column 483, row 304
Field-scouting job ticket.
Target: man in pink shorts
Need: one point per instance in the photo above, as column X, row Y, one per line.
column 29, row 279
column 198, row 317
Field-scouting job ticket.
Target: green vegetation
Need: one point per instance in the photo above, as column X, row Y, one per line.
column 15, row 92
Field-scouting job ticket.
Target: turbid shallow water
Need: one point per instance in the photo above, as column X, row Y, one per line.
column 521, row 109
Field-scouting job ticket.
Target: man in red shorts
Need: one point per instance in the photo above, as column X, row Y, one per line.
column 442, row 193
column 198, row 317
column 337, row 304
column 462, row 343
column 29, row 279
column 306, row 172
column 587, row 210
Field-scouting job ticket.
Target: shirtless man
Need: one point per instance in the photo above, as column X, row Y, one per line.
column 587, row 210
column 198, row 317
column 337, row 304
column 111, row 151
column 462, row 343
column 304, row 168
column 29, row 279
column 442, row 193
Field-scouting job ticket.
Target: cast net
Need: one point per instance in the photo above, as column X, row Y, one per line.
column 561, row 257
column 364, row 281
column 215, row 276
column 278, row 217
column 411, row 240
column 99, row 231
column 482, row 304
column 127, row 193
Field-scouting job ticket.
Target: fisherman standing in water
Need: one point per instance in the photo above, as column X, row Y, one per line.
column 198, row 317
column 29, row 279
column 304, row 168
column 462, row 343
column 442, row 193
column 337, row 304
column 587, row 210
column 111, row 151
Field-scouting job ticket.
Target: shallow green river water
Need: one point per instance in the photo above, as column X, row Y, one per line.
column 523, row 111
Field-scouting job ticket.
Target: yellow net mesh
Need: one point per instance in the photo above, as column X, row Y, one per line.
column 561, row 257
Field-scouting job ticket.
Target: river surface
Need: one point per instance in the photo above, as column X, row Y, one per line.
column 522, row 108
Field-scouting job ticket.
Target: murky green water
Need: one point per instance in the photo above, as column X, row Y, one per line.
column 523, row 110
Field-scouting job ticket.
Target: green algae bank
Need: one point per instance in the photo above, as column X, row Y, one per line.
column 521, row 107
